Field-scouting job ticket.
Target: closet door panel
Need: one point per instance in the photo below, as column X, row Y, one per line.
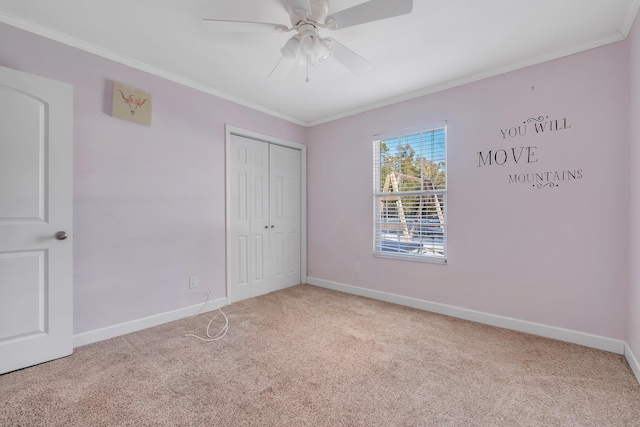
column 285, row 216
column 259, row 217
column 248, row 216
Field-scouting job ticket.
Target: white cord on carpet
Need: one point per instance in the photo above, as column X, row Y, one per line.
column 222, row 331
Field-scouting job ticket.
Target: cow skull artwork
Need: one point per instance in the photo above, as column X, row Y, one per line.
column 132, row 104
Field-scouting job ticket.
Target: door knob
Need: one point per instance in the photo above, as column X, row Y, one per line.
column 61, row 235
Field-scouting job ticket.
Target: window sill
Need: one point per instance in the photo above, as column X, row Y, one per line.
column 430, row 260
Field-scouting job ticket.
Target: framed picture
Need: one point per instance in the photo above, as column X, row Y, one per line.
column 130, row 103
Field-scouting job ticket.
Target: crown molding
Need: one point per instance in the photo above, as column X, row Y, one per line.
column 630, row 16
column 502, row 69
column 139, row 65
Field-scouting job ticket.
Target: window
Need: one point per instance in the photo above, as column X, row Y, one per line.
column 410, row 196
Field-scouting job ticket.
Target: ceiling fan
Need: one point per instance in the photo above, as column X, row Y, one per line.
column 308, row 17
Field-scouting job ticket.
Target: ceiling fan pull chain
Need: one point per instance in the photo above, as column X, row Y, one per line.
column 307, row 69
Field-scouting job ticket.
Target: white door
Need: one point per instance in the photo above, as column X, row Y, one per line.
column 248, row 223
column 36, row 169
column 263, row 217
column 284, row 203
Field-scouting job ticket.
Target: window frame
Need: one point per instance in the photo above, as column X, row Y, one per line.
column 378, row 194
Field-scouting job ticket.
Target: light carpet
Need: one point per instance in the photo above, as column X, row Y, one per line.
column 308, row 356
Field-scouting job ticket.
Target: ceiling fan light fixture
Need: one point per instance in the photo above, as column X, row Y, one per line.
column 309, row 40
column 291, row 49
column 323, row 52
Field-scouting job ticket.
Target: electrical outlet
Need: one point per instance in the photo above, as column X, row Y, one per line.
column 193, row 282
column 356, row 267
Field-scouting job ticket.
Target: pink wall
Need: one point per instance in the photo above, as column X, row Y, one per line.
column 556, row 256
column 149, row 201
column 634, row 295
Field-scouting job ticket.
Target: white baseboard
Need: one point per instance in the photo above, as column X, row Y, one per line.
column 633, row 361
column 144, row 323
column 567, row 335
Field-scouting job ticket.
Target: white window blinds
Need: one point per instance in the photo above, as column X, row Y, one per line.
column 410, row 196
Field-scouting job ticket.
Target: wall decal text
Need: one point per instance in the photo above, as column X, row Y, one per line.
column 539, row 125
column 507, row 155
column 528, row 154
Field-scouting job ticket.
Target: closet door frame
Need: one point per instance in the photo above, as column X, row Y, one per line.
column 233, row 130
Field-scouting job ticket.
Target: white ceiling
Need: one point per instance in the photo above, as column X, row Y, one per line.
column 442, row 43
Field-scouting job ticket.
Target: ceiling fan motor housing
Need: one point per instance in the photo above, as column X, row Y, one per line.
column 319, row 12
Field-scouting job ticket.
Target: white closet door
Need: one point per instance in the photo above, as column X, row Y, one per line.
column 248, row 222
column 36, row 169
column 284, row 173
column 264, row 218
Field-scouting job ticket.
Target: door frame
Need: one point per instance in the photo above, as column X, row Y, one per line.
column 234, row 130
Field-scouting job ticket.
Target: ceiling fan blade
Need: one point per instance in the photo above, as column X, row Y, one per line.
column 282, row 69
column 241, row 26
column 302, row 8
column 372, row 10
column 354, row 62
